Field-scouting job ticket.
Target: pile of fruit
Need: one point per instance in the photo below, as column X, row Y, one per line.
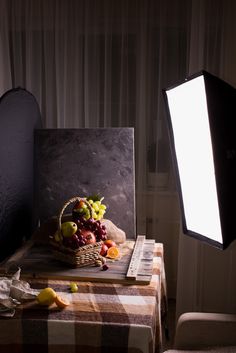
column 86, row 227
column 48, row 296
column 81, row 209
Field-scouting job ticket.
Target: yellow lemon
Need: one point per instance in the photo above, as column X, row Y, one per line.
column 46, row 296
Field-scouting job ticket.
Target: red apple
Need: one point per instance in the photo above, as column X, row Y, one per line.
column 88, row 236
column 104, row 249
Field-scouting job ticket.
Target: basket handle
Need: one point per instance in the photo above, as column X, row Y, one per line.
column 73, row 199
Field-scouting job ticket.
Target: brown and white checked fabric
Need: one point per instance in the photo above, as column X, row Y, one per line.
column 102, row 318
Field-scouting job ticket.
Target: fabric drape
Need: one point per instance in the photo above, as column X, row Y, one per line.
column 204, row 271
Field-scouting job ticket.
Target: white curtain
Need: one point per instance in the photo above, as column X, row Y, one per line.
column 104, row 63
column 213, row 38
column 206, row 275
column 94, row 63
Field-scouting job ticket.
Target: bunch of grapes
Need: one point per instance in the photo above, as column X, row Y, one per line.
column 88, row 231
column 98, row 208
column 94, row 226
column 74, row 242
column 81, row 209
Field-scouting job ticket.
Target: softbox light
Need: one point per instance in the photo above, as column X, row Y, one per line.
column 202, row 129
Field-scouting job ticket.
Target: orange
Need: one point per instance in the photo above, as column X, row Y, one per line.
column 109, row 243
column 113, row 252
column 61, row 303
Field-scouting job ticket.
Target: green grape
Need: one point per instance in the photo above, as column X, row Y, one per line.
column 98, row 209
column 99, row 216
column 95, row 207
column 73, row 287
column 86, row 214
column 93, row 213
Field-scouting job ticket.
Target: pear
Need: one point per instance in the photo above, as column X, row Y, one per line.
column 58, row 237
column 68, row 229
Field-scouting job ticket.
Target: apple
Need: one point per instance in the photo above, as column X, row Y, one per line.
column 104, row 249
column 88, row 236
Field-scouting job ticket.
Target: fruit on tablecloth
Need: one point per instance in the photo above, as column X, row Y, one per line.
column 61, row 302
column 109, row 243
column 46, row 296
column 73, row 287
column 68, row 229
column 113, row 252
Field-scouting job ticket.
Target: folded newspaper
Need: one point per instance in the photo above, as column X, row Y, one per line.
column 13, row 291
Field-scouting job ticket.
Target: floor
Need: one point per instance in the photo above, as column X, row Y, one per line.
column 169, row 330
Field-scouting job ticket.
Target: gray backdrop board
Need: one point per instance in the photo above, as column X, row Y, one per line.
column 19, row 116
column 81, row 162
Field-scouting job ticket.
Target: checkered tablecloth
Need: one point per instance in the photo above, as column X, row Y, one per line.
column 102, row 318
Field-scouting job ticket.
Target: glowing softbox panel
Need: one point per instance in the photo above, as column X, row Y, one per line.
column 202, row 130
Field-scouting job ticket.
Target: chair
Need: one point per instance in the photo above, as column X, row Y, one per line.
column 205, row 332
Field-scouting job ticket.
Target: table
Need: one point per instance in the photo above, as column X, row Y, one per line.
column 102, row 318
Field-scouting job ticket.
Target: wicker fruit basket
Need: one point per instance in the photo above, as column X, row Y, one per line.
column 82, row 256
